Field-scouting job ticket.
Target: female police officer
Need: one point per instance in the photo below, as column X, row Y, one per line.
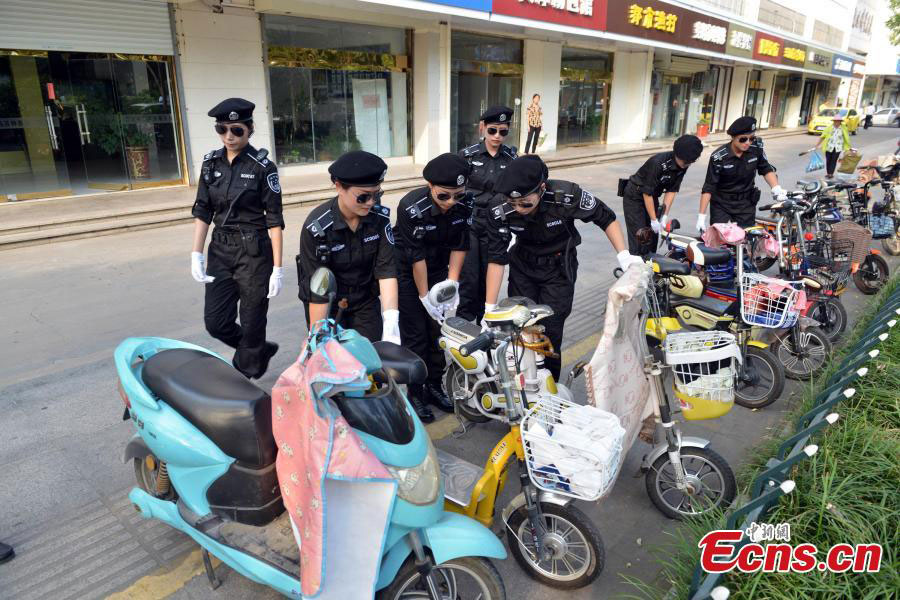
column 239, row 191
column 351, row 235
column 543, row 263
column 432, row 239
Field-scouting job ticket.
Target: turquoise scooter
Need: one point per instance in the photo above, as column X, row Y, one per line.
column 204, row 459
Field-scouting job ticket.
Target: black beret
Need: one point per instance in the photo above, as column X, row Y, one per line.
column 497, row 114
column 688, row 148
column 232, row 109
column 742, row 125
column 447, row 170
column 358, row 168
column 522, row 176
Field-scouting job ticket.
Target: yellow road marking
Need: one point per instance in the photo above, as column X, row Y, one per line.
column 166, row 580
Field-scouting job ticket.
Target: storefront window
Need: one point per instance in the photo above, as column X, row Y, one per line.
column 78, row 123
column 337, row 87
column 670, row 98
column 584, row 82
column 756, row 96
column 779, row 101
column 702, row 102
column 485, row 71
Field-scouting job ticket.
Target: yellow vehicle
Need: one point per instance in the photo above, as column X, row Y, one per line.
column 826, row 115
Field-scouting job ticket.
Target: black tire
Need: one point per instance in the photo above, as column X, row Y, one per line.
column 832, row 315
column 660, row 483
column 872, row 274
column 146, row 478
column 766, row 379
column 808, row 361
column 594, row 555
column 451, row 385
column 408, row 582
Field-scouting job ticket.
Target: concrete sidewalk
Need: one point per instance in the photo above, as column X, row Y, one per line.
column 53, row 219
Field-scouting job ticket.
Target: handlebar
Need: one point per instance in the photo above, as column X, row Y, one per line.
column 482, row 342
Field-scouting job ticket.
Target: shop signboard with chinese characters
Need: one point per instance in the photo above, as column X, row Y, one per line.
column 793, row 54
column 588, row 14
column 654, row 20
column 767, row 48
column 859, row 69
column 842, row 65
column 818, row 60
column 740, row 41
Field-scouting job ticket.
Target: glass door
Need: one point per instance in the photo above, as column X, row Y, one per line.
column 582, row 112
column 756, row 99
column 472, row 94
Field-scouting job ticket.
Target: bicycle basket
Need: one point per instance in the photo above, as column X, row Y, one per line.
column 767, row 302
column 882, row 226
column 703, row 366
column 570, row 449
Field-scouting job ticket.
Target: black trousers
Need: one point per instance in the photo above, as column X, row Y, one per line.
column 868, row 122
column 831, row 160
column 418, row 331
column 637, row 217
column 363, row 315
column 737, row 209
column 533, row 133
column 240, row 288
column 546, row 282
column 473, row 276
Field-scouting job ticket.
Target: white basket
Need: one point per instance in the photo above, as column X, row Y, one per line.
column 703, row 364
column 768, row 302
column 570, row 449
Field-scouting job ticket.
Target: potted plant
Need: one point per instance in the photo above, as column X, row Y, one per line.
column 703, row 126
column 137, row 151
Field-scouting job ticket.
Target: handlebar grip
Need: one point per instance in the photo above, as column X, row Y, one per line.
column 766, row 206
column 482, row 342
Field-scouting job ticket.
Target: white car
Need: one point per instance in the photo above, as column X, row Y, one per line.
column 887, row 116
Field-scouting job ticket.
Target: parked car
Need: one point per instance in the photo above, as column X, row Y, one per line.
column 889, row 117
column 825, row 116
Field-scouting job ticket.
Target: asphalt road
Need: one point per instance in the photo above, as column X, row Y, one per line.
column 62, row 482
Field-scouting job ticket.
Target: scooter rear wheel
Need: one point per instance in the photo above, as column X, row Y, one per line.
column 765, row 379
column 872, row 274
column 466, row 578
column 147, row 477
column 830, row 312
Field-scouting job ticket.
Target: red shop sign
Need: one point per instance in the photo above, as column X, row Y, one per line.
column 588, row 14
column 768, row 47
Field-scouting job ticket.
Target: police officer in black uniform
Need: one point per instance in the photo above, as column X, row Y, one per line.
column 729, row 190
column 432, row 234
column 239, row 191
column 351, row 235
column 661, row 174
column 543, row 262
column 488, row 159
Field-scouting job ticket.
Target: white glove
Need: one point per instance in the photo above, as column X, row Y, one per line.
column 488, row 307
column 390, row 328
column 435, row 312
column 626, row 259
column 779, row 192
column 275, row 281
column 198, row 268
column 701, row 222
column 663, row 220
column 655, row 226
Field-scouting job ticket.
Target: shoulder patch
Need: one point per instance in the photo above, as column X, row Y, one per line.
column 720, row 153
column 509, row 151
column 272, row 181
column 389, row 232
column 471, row 149
column 213, row 154
column 318, row 226
column 418, row 208
column 381, row 210
column 587, row 202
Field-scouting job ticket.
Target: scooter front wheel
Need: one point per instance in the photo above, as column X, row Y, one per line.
column 709, row 478
column 467, row 578
column 872, row 274
column 455, row 388
column 577, row 554
column 807, row 358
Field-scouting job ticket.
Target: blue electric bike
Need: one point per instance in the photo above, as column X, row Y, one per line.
column 204, row 460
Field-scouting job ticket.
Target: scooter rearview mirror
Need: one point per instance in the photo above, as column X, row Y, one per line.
column 323, row 283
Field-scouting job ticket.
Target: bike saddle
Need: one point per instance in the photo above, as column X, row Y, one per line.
column 811, row 283
column 668, row 266
column 402, row 364
column 232, row 412
column 711, row 256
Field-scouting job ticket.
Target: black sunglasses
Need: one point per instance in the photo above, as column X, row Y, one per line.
column 366, row 196
column 744, row 138
column 495, row 131
column 444, row 196
column 236, row 130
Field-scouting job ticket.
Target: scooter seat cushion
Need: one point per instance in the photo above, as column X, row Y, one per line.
column 232, row 412
column 402, row 364
column 714, row 256
column 668, row 266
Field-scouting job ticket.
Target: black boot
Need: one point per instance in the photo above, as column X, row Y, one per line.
column 271, row 348
column 436, row 396
column 6, row 552
column 425, row 414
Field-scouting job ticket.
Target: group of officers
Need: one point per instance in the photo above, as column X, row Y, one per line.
column 455, row 232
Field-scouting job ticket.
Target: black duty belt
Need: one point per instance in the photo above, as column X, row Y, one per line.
column 233, row 237
column 536, row 259
column 348, row 290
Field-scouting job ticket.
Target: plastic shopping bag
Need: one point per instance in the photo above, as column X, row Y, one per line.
column 816, row 161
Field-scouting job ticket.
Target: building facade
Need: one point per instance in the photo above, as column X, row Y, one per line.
column 113, row 95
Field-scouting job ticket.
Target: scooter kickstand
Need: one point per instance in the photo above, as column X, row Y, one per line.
column 214, row 582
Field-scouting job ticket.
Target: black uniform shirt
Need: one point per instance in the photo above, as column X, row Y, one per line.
column 729, row 174
column 486, row 169
column 549, row 229
column 358, row 258
column 425, row 233
column 658, row 175
column 245, row 193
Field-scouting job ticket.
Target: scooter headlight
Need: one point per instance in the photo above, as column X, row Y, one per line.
column 421, row 484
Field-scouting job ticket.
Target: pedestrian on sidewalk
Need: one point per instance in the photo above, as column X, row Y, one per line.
column 351, row 234
column 729, row 190
column 836, row 138
column 660, row 174
column 543, row 263
column 240, row 193
column 432, row 233
column 488, row 159
column 534, row 124
column 870, row 110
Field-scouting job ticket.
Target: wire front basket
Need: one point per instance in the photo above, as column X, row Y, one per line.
column 768, row 302
column 703, row 365
column 570, row 449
